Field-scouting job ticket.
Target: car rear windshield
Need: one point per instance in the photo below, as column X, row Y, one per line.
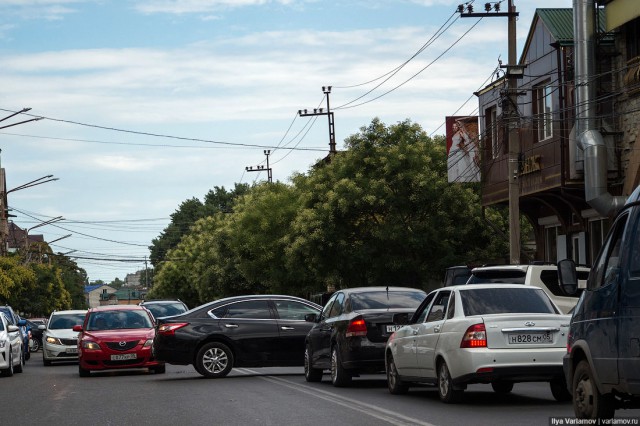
column 65, row 321
column 385, row 300
column 483, row 301
column 497, row 276
column 165, row 309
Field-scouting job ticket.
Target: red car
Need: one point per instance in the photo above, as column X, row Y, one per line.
column 117, row 337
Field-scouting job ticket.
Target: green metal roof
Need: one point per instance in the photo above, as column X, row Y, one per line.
column 559, row 22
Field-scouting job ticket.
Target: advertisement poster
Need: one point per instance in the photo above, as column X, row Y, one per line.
column 463, row 153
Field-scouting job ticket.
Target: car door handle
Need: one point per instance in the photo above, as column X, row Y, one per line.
column 287, row 328
column 436, row 329
column 415, row 332
column 231, row 325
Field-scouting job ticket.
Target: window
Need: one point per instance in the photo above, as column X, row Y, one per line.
column 251, row 309
column 386, row 299
column 544, row 112
column 337, row 307
column 421, row 312
column 606, row 268
column 597, row 232
column 491, row 132
column 551, row 243
column 292, row 310
column 505, row 301
column 439, row 307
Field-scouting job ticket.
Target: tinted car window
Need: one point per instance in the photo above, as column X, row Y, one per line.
column 497, row 276
column 65, row 321
column 337, row 307
column 252, row 309
column 165, row 309
column 505, row 301
column 292, row 310
column 386, row 300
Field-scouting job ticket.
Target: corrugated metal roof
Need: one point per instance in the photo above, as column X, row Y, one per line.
column 559, row 22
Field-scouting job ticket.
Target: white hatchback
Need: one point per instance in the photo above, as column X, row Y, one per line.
column 59, row 341
column 486, row 333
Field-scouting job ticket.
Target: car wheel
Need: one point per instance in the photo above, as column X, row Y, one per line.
column 35, row 345
column 502, row 387
column 588, row 402
column 311, row 374
column 20, row 367
column 161, row 369
column 446, row 392
column 394, row 383
column 559, row 390
column 214, row 360
column 83, row 372
column 8, row 372
column 340, row 377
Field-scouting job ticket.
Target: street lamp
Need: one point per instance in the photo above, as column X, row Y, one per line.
column 26, row 234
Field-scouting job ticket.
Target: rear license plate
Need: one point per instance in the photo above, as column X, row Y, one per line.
column 530, row 338
column 123, row 357
column 392, row 328
column 72, row 350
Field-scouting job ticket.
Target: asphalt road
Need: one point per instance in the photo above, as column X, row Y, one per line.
column 56, row 395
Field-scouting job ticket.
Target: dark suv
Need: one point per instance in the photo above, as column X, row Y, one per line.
column 165, row 308
column 14, row 319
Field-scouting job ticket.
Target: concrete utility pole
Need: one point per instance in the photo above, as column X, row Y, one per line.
column 510, row 115
column 319, row 111
column 267, row 152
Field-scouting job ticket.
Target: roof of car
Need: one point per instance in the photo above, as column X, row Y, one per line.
column 377, row 288
column 116, row 308
column 523, row 267
column 467, row 287
column 69, row 311
column 146, row 302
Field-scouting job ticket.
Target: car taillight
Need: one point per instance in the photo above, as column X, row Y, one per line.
column 357, row 327
column 170, row 329
column 569, row 342
column 475, row 337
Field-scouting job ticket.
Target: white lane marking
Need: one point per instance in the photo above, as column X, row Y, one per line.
column 364, row 408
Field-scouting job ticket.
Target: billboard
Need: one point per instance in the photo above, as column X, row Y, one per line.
column 463, row 153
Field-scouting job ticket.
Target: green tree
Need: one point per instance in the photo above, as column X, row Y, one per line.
column 74, row 279
column 13, row 278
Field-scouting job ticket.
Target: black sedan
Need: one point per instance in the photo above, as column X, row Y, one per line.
column 241, row 331
column 349, row 336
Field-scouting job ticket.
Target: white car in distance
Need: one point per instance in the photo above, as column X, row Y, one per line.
column 499, row 334
column 59, row 341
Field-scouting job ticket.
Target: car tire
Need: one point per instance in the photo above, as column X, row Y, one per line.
column 214, row 360
column 311, row 374
column 161, row 369
column 394, row 383
column 340, row 377
column 8, row 372
column 446, row 391
column 559, row 390
column 83, row 372
column 588, row 402
column 20, row 367
column 35, row 345
column 502, row 387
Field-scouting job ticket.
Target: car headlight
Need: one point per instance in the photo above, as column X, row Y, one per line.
column 2, row 344
column 148, row 343
column 87, row 344
column 54, row 340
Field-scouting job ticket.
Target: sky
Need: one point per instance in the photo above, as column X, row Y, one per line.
column 144, row 104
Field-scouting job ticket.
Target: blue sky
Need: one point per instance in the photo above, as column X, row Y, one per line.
column 148, row 103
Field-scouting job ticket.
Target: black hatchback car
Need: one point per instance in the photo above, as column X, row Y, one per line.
column 241, row 331
column 349, row 336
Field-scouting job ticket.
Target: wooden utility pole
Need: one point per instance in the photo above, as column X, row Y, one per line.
column 510, row 116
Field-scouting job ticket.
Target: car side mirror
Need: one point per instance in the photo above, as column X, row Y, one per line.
column 42, row 327
column 77, row 328
column 12, row 328
column 311, row 317
column 568, row 276
column 400, row 319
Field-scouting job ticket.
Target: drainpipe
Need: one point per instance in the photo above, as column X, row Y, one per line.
column 589, row 139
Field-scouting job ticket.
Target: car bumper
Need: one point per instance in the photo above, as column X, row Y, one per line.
column 362, row 354
column 487, row 365
column 52, row 352
column 102, row 360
